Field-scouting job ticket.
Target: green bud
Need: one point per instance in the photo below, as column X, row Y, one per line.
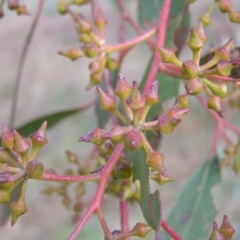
column 115, row 134
column 193, row 86
column 95, row 79
column 133, row 140
column 234, row 17
column 107, row 101
column 155, row 161
column 189, row 69
column 106, row 149
column 111, row 64
column 216, row 235
column 176, row 115
column 223, row 53
column 21, row 144
column 124, row 171
column 7, row 137
column 91, row 50
column 73, row 53
column 195, row 42
column 226, row 228
column 160, row 179
column 214, row 102
column 84, row 25
column 95, row 67
column 99, row 21
column 4, row 196
column 152, row 95
column 201, row 32
column 206, row 19
column 224, row 68
column 94, row 137
column 225, row 6
column 136, row 100
column 22, row 10
column 123, row 89
column 34, row 169
column 168, row 55
column 140, row 230
column 62, row 7
column 7, row 181
column 84, row 38
column 115, row 186
column 164, row 124
column 127, row 193
column 217, row 88
column 181, row 101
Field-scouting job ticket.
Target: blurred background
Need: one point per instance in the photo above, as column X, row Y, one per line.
column 51, row 83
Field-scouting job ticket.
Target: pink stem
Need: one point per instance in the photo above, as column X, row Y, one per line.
column 162, row 26
column 124, row 216
column 170, row 231
column 96, row 203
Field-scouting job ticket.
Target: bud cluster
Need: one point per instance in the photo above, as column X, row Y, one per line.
column 17, row 164
column 207, row 77
column 20, row 9
column 232, row 155
column 93, row 42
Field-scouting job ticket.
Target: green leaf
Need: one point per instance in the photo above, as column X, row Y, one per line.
column 194, row 212
column 149, row 203
column 52, row 119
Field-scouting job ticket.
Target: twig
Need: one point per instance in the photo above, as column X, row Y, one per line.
column 170, row 231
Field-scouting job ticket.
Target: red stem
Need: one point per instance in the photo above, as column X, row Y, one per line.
column 124, row 216
column 170, row 231
column 162, row 26
column 104, row 174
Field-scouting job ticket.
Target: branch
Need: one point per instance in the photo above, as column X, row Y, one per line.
column 170, row 231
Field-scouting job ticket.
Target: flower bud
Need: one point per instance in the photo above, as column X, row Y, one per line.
column 34, row 169
column 236, row 163
column 7, row 137
column 189, row 69
column 216, row 235
column 176, row 115
column 62, row 7
column 164, row 124
column 95, row 79
column 84, row 38
column 80, row 2
column 100, row 22
column 195, row 42
column 111, row 64
column 133, row 140
column 168, row 55
column 73, row 53
column 13, row 4
column 115, row 186
column 4, row 196
column 22, row 10
column 193, row 86
column 107, row 101
column 160, row 179
column 7, row 181
column 181, row 101
column 234, row 17
column 124, row 171
column 136, row 100
column 226, row 228
column 224, row 68
column 95, row 67
column 201, row 32
column 223, row 53
column 106, row 149
column 123, row 89
column 115, row 134
column 140, row 230
column 94, row 137
column 218, row 89
column 91, row 50
column 84, row 25
column 225, row 6
column 214, row 102
column 21, row 144
column 206, row 19
column 4, row 155
column 127, row 193
column 155, row 161
column 18, row 208
column 152, row 95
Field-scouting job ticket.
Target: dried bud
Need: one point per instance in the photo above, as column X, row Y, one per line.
column 206, row 19
column 13, row 4
column 91, row 50
column 164, row 124
column 224, row 68
column 152, row 95
column 155, row 161
column 34, row 169
column 216, row 235
column 4, row 196
column 168, row 55
column 236, row 163
column 201, row 32
column 111, row 64
column 94, row 137
column 127, row 193
column 217, row 88
column 123, row 89
column 234, row 17
column 223, row 53
column 226, row 228
column 115, row 134
column 22, row 10
column 189, row 69
column 136, row 100
column 214, row 102
column 62, row 7
column 141, row 230
column 181, row 101
column 133, row 140
column 160, row 179
column 21, row 144
column 225, row 6
column 193, row 86
column 195, row 42
column 124, row 170
column 7, row 137
column 100, row 22
column 107, row 101
column 73, row 53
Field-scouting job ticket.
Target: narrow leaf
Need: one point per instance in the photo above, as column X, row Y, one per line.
column 149, row 203
column 194, row 212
